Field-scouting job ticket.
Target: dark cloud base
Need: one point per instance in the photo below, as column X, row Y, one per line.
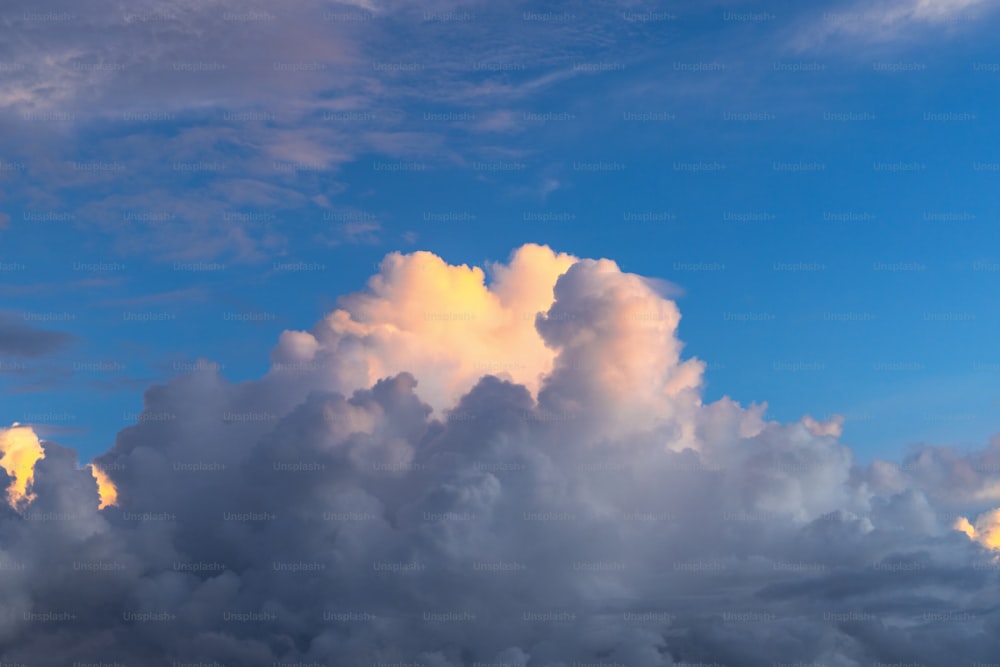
column 361, row 531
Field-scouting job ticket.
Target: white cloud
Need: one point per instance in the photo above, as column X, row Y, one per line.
column 889, row 20
column 442, row 323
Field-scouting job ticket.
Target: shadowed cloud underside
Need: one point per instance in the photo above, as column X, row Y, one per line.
column 451, row 469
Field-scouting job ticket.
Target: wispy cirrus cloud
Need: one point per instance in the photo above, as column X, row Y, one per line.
column 252, row 117
column 889, row 21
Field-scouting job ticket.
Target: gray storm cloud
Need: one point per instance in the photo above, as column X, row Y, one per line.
column 450, row 470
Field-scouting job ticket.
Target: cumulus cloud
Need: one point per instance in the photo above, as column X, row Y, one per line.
column 441, row 323
column 106, row 491
column 513, row 467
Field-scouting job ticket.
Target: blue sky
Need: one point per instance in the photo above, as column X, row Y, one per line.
column 818, row 181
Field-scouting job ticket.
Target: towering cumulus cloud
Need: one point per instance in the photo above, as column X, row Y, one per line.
column 456, row 468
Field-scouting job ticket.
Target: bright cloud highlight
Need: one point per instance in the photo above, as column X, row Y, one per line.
column 19, row 451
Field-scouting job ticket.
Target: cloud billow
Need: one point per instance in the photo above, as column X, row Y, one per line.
column 448, row 471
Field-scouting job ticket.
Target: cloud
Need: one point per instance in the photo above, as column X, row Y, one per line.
column 187, row 294
column 536, row 482
column 106, row 490
column 19, row 452
column 270, row 110
column 441, row 323
column 19, row 339
column 355, row 232
column 940, row 10
column 891, row 20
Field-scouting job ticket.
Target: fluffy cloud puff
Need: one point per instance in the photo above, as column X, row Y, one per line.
column 382, row 496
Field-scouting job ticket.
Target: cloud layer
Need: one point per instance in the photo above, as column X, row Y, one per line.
column 450, row 470
column 19, row 339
